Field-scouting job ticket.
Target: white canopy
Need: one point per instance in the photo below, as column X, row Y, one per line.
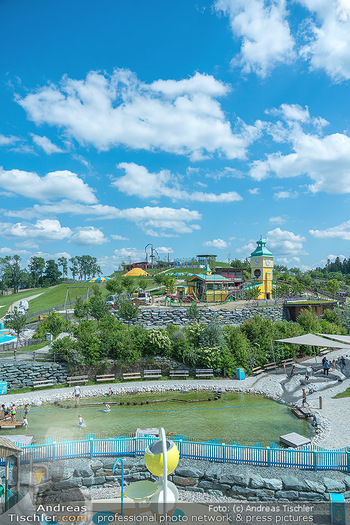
column 313, row 340
column 343, row 338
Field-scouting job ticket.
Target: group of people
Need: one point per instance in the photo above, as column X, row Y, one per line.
column 11, row 412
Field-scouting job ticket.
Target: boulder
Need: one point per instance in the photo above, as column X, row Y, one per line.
column 292, row 483
column 273, row 484
column 333, row 486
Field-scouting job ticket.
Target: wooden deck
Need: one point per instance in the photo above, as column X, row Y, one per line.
column 294, row 440
column 10, row 424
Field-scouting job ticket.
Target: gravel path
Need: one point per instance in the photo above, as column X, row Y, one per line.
column 334, row 430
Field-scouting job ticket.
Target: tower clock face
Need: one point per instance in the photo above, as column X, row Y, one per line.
column 256, row 262
column 268, row 262
column 257, row 273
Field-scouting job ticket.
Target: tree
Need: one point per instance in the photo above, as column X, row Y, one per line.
column 193, row 312
column 52, row 273
column 36, row 268
column 81, row 308
column 129, row 284
column 333, row 286
column 97, row 306
column 17, row 323
column 170, row 284
column 74, row 267
column 12, row 273
column 62, row 261
column 128, row 311
column 142, row 283
column 115, row 286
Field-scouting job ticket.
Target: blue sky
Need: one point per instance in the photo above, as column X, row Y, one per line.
column 195, row 126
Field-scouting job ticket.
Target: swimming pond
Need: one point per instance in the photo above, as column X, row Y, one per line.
column 243, row 418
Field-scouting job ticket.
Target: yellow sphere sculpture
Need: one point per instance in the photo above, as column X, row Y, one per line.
column 154, row 457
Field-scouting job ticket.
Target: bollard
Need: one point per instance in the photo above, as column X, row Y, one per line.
column 320, row 402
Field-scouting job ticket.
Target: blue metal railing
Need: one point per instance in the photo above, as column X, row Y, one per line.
column 222, row 451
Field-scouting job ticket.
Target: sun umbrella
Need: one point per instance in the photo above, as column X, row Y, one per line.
column 97, row 280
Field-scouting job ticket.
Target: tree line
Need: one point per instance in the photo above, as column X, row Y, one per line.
column 44, row 273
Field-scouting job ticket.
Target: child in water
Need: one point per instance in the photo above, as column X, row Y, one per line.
column 107, row 408
column 81, row 421
column 25, row 422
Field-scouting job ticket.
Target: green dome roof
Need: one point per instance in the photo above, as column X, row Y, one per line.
column 261, row 249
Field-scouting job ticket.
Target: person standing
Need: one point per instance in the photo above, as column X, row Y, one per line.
column 326, row 367
column 304, row 402
column 76, row 393
column 342, row 364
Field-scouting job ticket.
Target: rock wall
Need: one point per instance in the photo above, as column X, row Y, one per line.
column 21, row 374
column 152, row 317
column 71, row 480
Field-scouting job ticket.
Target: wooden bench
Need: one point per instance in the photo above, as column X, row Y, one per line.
column 324, row 351
column 204, row 372
column 131, row 375
column 75, row 380
column 106, row 377
column 41, row 383
column 287, row 362
column 179, row 373
column 257, row 370
column 269, row 366
column 154, row 374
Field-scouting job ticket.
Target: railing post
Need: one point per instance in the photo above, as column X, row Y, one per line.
column 180, row 448
column 348, row 459
column 224, row 452
column 34, row 355
column 315, row 460
column 54, row 451
column 135, row 446
column 91, row 448
column 268, row 462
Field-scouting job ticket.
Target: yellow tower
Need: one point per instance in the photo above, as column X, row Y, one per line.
column 261, row 261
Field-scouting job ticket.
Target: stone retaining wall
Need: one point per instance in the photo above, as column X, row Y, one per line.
column 68, row 480
column 21, row 374
column 152, row 317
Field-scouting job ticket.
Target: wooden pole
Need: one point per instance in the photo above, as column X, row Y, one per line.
column 18, row 476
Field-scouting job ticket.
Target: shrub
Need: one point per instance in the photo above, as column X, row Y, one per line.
column 158, row 342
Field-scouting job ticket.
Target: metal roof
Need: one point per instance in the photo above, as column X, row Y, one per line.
column 261, row 249
column 7, row 448
column 209, row 278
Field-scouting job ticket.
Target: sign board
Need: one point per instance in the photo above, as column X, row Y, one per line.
column 3, row 388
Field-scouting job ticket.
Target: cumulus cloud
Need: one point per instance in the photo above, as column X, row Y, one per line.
column 52, row 186
column 46, row 145
column 285, row 242
column 42, row 230
column 328, row 37
column 285, row 194
column 277, row 220
column 219, row 244
column 181, row 117
column 336, row 232
column 262, row 27
column 149, row 219
column 332, row 257
column 7, row 140
column 88, row 236
column 291, row 112
column 288, row 260
column 139, row 182
column 254, row 191
column 164, row 249
column 119, row 238
column 10, row 251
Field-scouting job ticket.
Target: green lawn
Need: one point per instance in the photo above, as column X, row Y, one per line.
column 52, row 297
column 346, row 393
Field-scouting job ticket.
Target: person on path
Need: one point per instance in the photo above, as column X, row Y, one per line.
column 110, row 391
column 304, row 402
column 333, row 364
column 342, row 363
column 76, row 393
column 292, row 372
column 326, row 367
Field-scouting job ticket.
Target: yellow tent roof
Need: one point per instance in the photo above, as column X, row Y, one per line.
column 135, row 272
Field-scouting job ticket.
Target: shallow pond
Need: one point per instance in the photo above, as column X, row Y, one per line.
column 243, row 418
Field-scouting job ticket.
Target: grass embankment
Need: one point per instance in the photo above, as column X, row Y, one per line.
column 346, row 393
column 51, row 297
column 7, row 300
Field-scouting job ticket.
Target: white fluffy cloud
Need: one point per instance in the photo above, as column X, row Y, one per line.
column 153, row 220
column 288, row 260
column 277, row 220
column 285, row 194
column 328, row 46
column 219, row 244
column 42, row 230
column 45, row 144
column 180, row 117
column 119, row 237
column 164, row 249
column 138, row 181
column 88, row 236
column 266, row 40
column 336, row 232
column 285, row 242
column 7, row 140
column 52, row 186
